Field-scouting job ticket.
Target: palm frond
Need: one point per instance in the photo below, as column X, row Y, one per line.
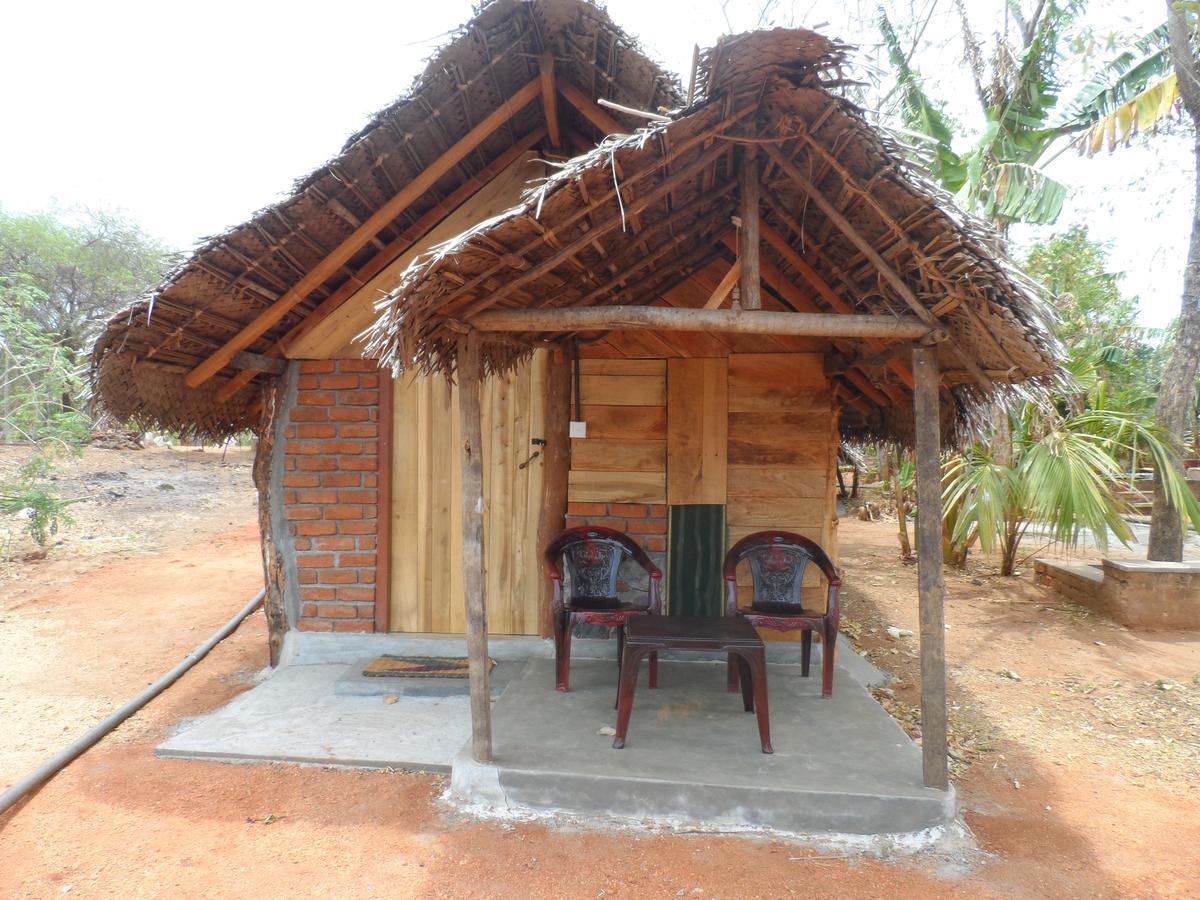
column 1139, row 114
column 1117, row 82
column 1019, row 192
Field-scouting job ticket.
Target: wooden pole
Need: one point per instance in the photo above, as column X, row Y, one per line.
column 665, row 318
column 549, row 97
column 474, row 584
column 383, row 509
column 556, row 464
column 930, row 588
column 748, row 241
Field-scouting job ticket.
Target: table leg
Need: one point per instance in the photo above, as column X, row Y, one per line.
column 748, row 682
column 632, row 658
column 758, row 662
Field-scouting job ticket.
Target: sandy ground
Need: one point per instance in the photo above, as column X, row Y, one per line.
column 1074, row 785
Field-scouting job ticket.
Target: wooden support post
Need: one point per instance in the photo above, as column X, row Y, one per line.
column 556, row 465
column 930, row 588
column 748, row 194
column 549, row 97
column 383, row 508
column 474, row 583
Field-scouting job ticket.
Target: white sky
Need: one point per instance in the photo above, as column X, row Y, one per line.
column 191, row 116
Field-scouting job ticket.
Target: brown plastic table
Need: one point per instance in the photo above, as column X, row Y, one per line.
column 733, row 636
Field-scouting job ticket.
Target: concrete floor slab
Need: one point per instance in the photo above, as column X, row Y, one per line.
column 296, row 716
column 840, row 765
column 353, row 683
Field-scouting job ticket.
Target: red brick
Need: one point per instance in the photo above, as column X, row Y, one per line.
column 339, row 382
column 356, row 430
column 366, row 576
column 338, row 611
column 314, row 625
column 301, row 543
column 628, row 510
column 308, row 576
column 349, row 414
column 366, row 543
column 315, row 528
column 289, row 462
column 315, row 561
column 296, row 480
column 336, row 543
column 360, row 625
column 658, row 510
column 654, row 544
column 317, row 497
column 356, row 593
column 350, row 448
column 370, row 481
column 359, row 398
column 587, row 509
column 358, row 365
column 357, row 496
column 316, row 398
column 357, row 527
column 310, row 414
column 308, row 609
column 303, row 448
column 615, row 524
column 356, row 559
column 298, row 513
column 308, row 382
column 316, row 593
column 316, row 431
column 316, row 463
column 646, row 526
column 341, row 479
column 316, row 366
column 289, row 496
column 343, row 511
column 357, row 463
column 290, row 431
column 337, row 576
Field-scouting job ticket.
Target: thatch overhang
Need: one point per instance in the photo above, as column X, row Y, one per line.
column 850, row 225
column 142, row 361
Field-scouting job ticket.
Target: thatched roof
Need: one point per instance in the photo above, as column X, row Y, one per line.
column 140, row 360
column 576, row 240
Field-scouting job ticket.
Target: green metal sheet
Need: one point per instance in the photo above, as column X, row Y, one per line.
column 696, row 551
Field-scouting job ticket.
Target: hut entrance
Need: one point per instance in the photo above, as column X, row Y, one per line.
column 426, row 566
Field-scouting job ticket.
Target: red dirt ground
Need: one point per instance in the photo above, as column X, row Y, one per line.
column 1093, row 816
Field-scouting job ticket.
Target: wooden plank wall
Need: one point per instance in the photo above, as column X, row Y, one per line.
column 782, row 453
column 623, row 459
column 697, row 416
column 427, row 588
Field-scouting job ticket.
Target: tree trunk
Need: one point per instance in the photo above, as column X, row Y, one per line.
column 901, row 512
column 1179, row 377
column 1175, row 396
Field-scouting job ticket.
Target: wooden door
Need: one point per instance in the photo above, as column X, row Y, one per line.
column 427, row 588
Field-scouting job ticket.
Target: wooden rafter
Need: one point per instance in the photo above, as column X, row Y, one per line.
column 864, row 246
column 390, row 253
column 317, row 275
column 590, row 110
column 725, row 286
column 748, row 234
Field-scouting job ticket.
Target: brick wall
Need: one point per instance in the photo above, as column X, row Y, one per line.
column 331, row 483
column 646, row 523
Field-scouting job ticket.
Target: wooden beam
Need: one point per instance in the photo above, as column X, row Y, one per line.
column 549, row 97
column 659, row 318
column 930, row 587
column 389, row 254
column 469, row 373
column 748, row 234
column 866, row 249
column 556, row 465
column 591, row 110
column 725, row 286
column 361, row 236
column 383, row 509
column 257, row 362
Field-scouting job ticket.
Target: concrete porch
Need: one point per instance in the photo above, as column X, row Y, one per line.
column 840, row 765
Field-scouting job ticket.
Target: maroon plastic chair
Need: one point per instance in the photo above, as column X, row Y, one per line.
column 778, row 560
column 593, row 557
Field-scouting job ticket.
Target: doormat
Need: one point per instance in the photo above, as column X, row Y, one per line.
column 388, row 666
